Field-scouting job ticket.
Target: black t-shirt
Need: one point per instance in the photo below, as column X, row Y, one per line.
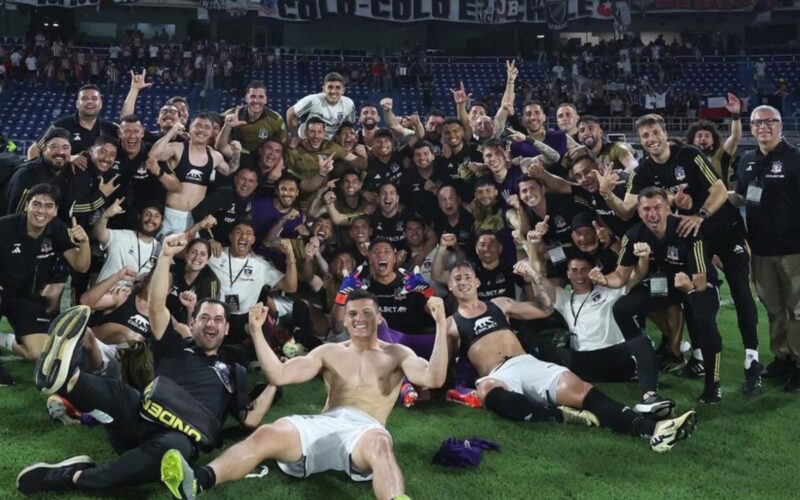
column 200, row 375
column 415, row 197
column 390, row 228
column 26, row 263
column 687, row 166
column 81, row 138
column 142, row 186
column 497, row 282
column 669, row 256
column 205, row 285
column 464, row 229
column 402, row 312
column 605, row 213
column 773, row 225
column 449, row 168
column 379, row 173
column 561, row 208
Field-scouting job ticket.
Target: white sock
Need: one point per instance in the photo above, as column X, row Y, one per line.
column 6, row 340
column 697, row 354
column 750, row 355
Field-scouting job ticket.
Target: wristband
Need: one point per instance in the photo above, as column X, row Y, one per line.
column 704, row 213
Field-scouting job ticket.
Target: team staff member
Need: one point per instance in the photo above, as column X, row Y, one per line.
column 242, row 275
column 679, row 271
column 45, row 168
column 84, row 126
column 252, row 125
column 194, row 382
column 768, row 183
column 30, row 243
column 701, row 199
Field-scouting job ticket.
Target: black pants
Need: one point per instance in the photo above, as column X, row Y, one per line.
column 700, row 308
column 731, row 249
column 139, row 443
column 617, row 363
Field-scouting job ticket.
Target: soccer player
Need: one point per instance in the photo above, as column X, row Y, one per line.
column 363, row 378
column 517, row 386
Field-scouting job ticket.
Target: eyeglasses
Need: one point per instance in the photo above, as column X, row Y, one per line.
column 769, row 122
column 168, row 112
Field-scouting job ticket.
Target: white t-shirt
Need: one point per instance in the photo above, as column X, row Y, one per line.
column 332, row 114
column 30, row 63
column 243, row 277
column 124, row 248
column 595, row 327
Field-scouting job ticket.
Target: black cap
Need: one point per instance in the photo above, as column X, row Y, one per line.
column 582, row 219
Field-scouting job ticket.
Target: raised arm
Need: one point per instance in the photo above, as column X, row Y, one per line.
column 164, row 149
column 159, row 284
column 100, row 230
column 137, row 85
column 79, row 258
column 430, row 374
column 734, row 106
column 460, row 97
column 296, row 370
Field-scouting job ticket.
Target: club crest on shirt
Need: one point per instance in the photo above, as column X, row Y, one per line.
column 248, row 272
column 680, row 173
column 672, row 254
column 777, row 167
column 560, row 222
column 263, row 133
column 484, row 324
column 47, row 245
column 399, row 226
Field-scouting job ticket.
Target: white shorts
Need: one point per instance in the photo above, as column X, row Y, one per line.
column 526, row 375
column 175, row 221
column 111, row 368
column 328, row 440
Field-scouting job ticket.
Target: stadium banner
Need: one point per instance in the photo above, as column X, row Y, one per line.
column 58, row 3
column 555, row 12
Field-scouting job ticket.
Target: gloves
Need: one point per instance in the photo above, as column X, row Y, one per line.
column 349, row 283
column 416, row 283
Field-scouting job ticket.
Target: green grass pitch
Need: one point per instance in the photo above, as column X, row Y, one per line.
column 744, row 448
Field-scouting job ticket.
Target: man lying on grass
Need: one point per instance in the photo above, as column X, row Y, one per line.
column 363, row 377
column 183, row 408
column 517, row 386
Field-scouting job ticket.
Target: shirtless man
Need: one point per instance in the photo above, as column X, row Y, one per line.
column 363, row 377
column 195, row 164
column 517, row 386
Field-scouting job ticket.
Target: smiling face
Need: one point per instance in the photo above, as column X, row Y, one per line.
column 488, row 249
column 256, row 100
column 653, row 212
column 654, row 140
column 351, row 184
column 323, row 229
column 315, row 134
column 463, row 283
column 486, row 195
column 533, row 118
column 578, row 275
column 585, row 238
column 150, row 222
column 369, row 117
column 245, row 182
column 343, row 263
column 89, row 103
column 382, row 259
column 197, row 256
column 388, row 199
column 361, row 318
column 333, row 91
column 270, row 155
column 242, row 238
column 382, row 147
column 201, row 131
column 704, row 140
column 414, row 233
column 475, row 112
column 104, row 156
column 590, row 134
column 347, row 138
column 360, row 231
column 57, row 152
column 584, row 176
column 423, row 158
column 168, row 116
column 287, row 193
column 209, row 327
column 766, row 127
column 131, row 136
column 41, row 209
column 453, row 135
column 495, row 160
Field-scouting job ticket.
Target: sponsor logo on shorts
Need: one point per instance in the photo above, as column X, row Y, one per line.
column 169, row 419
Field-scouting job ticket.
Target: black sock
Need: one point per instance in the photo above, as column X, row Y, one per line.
column 617, row 416
column 205, row 478
column 515, row 406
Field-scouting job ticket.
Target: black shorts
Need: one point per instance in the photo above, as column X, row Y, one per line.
column 26, row 315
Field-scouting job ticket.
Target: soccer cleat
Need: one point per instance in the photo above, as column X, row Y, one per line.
column 752, row 379
column 670, row 363
column 712, row 395
column 61, row 410
column 464, row 396
column 51, row 477
column 408, row 395
column 579, row 417
column 656, row 408
column 5, row 378
column 695, row 368
column 669, row 432
column 60, row 356
column 177, row 475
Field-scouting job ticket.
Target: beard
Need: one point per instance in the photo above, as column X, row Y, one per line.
column 369, row 124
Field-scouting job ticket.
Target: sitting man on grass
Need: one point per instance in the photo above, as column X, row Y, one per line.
column 363, row 378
